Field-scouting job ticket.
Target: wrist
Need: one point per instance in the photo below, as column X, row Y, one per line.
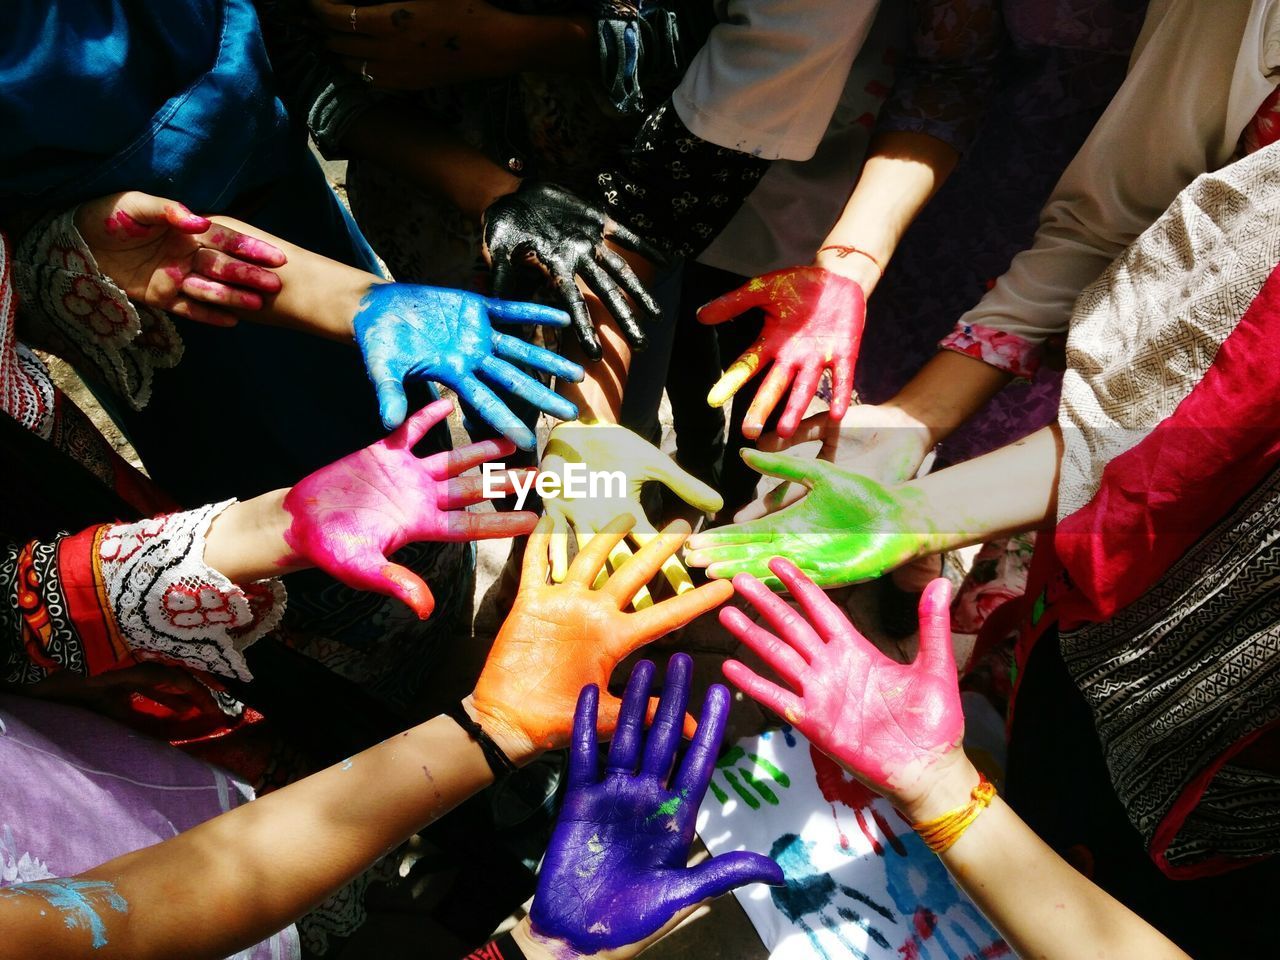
column 246, row 542
column 863, row 267
column 537, row 947
column 512, row 741
column 943, row 786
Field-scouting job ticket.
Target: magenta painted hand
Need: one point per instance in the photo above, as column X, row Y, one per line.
column 813, row 320
column 163, row 255
column 888, row 723
column 615, row 872
column 349, row 517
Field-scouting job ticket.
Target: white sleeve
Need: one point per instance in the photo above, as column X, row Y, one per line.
column 1196, row 78
column 768, row 78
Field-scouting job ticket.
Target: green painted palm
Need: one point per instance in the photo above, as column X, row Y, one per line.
column 846, row 529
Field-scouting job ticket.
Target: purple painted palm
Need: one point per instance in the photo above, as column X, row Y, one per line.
column 615, row 872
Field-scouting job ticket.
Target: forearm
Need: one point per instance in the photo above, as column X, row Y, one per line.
column 1038, row 902
column 1006, row 491
column 599, row 396
column 317, row 295
column 901, row 175
column 412, row 145
column 247, row 540
column 947, row 391
column 234, row 880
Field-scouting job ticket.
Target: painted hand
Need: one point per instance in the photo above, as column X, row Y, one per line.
column 813, row 321
column 560, row 637
column 887, row 723
column 613, row 449
column 566, row 235
column 615, row 873
column 163, row 255
column 411, row 331
column 350, row 516
column 847, row 529
column 877, row 441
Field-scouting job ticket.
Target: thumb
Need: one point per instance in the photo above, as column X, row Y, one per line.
column 400, row 581
column 392, row 402
column 180, row 218
column 719, row 875
column 684, row 484
column 936, row 655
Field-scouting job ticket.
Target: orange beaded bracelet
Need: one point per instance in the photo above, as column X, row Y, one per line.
column 941, row 832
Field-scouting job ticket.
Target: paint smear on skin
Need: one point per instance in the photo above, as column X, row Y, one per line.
column 120, row 224
column 594, row 844
column 72, row 899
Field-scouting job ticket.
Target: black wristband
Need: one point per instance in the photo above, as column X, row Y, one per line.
column 502, row 947
column 498, row 761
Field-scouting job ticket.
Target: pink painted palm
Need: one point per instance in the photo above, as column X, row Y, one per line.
column 886, row 722
column 351, row 516
column 813, row 321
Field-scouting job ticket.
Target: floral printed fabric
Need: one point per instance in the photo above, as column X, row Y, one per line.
column 1004, row 351
column 118, row 594
column 70, row 308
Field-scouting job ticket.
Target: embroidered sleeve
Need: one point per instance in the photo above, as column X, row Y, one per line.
column 675, row 189
column 1001, row 349
column 170, row 605
column 946, row 82
column 114, row 595
column 68, row 307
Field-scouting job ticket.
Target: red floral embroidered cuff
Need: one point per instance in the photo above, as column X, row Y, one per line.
column 1002, row 350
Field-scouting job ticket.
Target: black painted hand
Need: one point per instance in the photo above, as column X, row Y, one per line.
column 566, row 235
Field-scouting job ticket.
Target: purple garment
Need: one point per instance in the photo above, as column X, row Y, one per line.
column 78, row 789
column 1019, row 118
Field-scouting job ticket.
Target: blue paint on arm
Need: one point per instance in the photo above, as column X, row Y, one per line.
column 77, row 901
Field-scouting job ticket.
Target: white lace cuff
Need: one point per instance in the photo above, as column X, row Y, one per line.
column 70, row 308
column 170, row 605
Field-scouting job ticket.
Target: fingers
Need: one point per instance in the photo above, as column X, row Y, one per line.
column 624, row 237
column 580, row 316
column 415, row 428
column 739, row 372
column 683, row 483
column 719, row 875
column 243, row 246
column 821, row 611
column 700, row 759
column 624, row 750
column 810, row 429
column 515, row 311
column 182, row 219
column 673, row 613
column 841, row 386
column 582, row 748
column 520, row 384
column 784, row 660
column 767, row 397
column 786, row 622
column 668, row 722
column 536, row 566
column 221, row 266
column 461, row 525
column 515, row 349
column 936, row 655
column 399, row 581
column 604, row 287
column 633, row 286
column 751, row 294
column 782, row 702
column 495, row 413
column 558, row 540
column 803, row 390
column 640, row 569
column 210, row 291
column 500, row 274
column 393, row 404
column 199, row 313
column 591, row 559
column 783, row 495
column 459, row 461
column 784, row 466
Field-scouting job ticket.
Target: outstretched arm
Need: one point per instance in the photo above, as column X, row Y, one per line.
column 898, row 729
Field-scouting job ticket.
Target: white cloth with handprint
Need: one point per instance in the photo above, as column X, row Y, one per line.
column 860, row 883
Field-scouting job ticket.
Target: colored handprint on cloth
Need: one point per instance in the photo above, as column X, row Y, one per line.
column 839, row 786
column 752, row 769
column 812, row 901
